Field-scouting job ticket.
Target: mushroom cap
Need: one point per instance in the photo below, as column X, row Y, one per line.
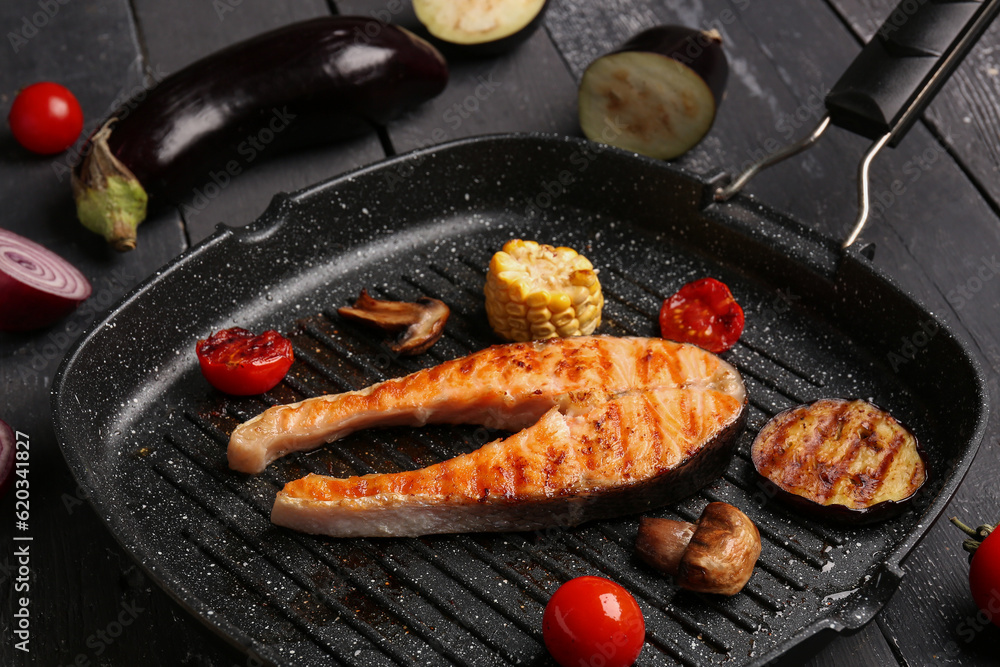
column 421, row 323
column 661, row 543
column 722, row 553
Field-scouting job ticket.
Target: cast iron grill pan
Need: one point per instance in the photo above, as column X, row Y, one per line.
column 146, row 436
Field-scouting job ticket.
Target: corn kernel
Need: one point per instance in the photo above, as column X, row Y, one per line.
column 537, row 291
column 560, row 302
column 539, row 298
column 538, row 315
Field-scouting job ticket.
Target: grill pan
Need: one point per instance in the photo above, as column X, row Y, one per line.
column 146, row 437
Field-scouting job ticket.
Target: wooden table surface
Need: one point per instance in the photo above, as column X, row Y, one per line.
column 936, row 230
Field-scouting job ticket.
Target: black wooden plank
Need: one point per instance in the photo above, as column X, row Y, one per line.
column 753, row 119
column 178, row 33
column 527, row 90
column 867, row 648
column 931, row 260
column 937, row 238
column 933, row 240
column 966, row 112
column 81, row 581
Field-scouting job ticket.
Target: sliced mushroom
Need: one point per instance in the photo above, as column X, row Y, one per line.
column 716, row 555
column 421, row 322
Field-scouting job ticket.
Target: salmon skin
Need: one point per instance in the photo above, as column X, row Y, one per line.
column 605, row 426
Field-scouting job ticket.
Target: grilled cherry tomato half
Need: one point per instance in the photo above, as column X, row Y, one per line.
column 704, row 313
column 237, row 362
column 45, row 118
column 983, row 546
column 593, row 621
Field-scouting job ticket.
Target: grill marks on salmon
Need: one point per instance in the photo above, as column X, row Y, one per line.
column 605, row 426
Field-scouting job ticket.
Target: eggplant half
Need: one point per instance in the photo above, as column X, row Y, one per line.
column 846, row 460
column 479, row 27
column 305, row 84
column 658, row 94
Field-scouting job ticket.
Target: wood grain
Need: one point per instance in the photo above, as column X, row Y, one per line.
column 71, row 549
column 527, row 90
column 966, row 112
column 938, row 235
column 175, row 35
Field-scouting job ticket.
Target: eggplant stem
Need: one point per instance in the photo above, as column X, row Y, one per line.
column 110, row 200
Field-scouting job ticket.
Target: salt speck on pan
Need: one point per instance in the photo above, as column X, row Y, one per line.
column 833, row 597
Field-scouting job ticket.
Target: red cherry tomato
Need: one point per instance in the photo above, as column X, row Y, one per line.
column 237, row 362
column 45, row 118
column 704, row 313
column 984, row 577
column 593, row 621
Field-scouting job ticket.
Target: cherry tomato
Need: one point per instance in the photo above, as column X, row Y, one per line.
column 45, row 118
column 593, row 621
column 983, row 546
column 704, row 313
column 237, row 362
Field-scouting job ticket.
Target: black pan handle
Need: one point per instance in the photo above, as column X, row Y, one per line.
column 905, row 64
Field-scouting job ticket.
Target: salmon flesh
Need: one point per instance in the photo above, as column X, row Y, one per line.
column 604, row 426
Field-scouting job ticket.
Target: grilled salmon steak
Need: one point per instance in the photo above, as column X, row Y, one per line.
column 605, row 426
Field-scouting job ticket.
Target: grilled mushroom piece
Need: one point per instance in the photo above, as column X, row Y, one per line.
column 421, row 322
column 716, row 555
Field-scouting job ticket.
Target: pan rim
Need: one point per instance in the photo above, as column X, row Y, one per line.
column 271, row 220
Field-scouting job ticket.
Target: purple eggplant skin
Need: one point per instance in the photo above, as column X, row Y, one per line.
column 311, row 82
column 304, row 84
column 490, row 49
column 840, row 514
column 699, row 50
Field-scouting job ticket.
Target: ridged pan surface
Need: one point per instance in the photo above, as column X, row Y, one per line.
column 146, row 436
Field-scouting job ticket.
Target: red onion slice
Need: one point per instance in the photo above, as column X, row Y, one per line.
column 37, row 286
column 6, row 457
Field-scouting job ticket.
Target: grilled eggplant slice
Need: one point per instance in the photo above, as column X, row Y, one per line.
column 840, row 459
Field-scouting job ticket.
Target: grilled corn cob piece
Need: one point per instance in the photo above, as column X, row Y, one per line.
column 535, row 291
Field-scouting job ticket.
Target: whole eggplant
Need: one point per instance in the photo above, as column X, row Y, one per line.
column 304, row 84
